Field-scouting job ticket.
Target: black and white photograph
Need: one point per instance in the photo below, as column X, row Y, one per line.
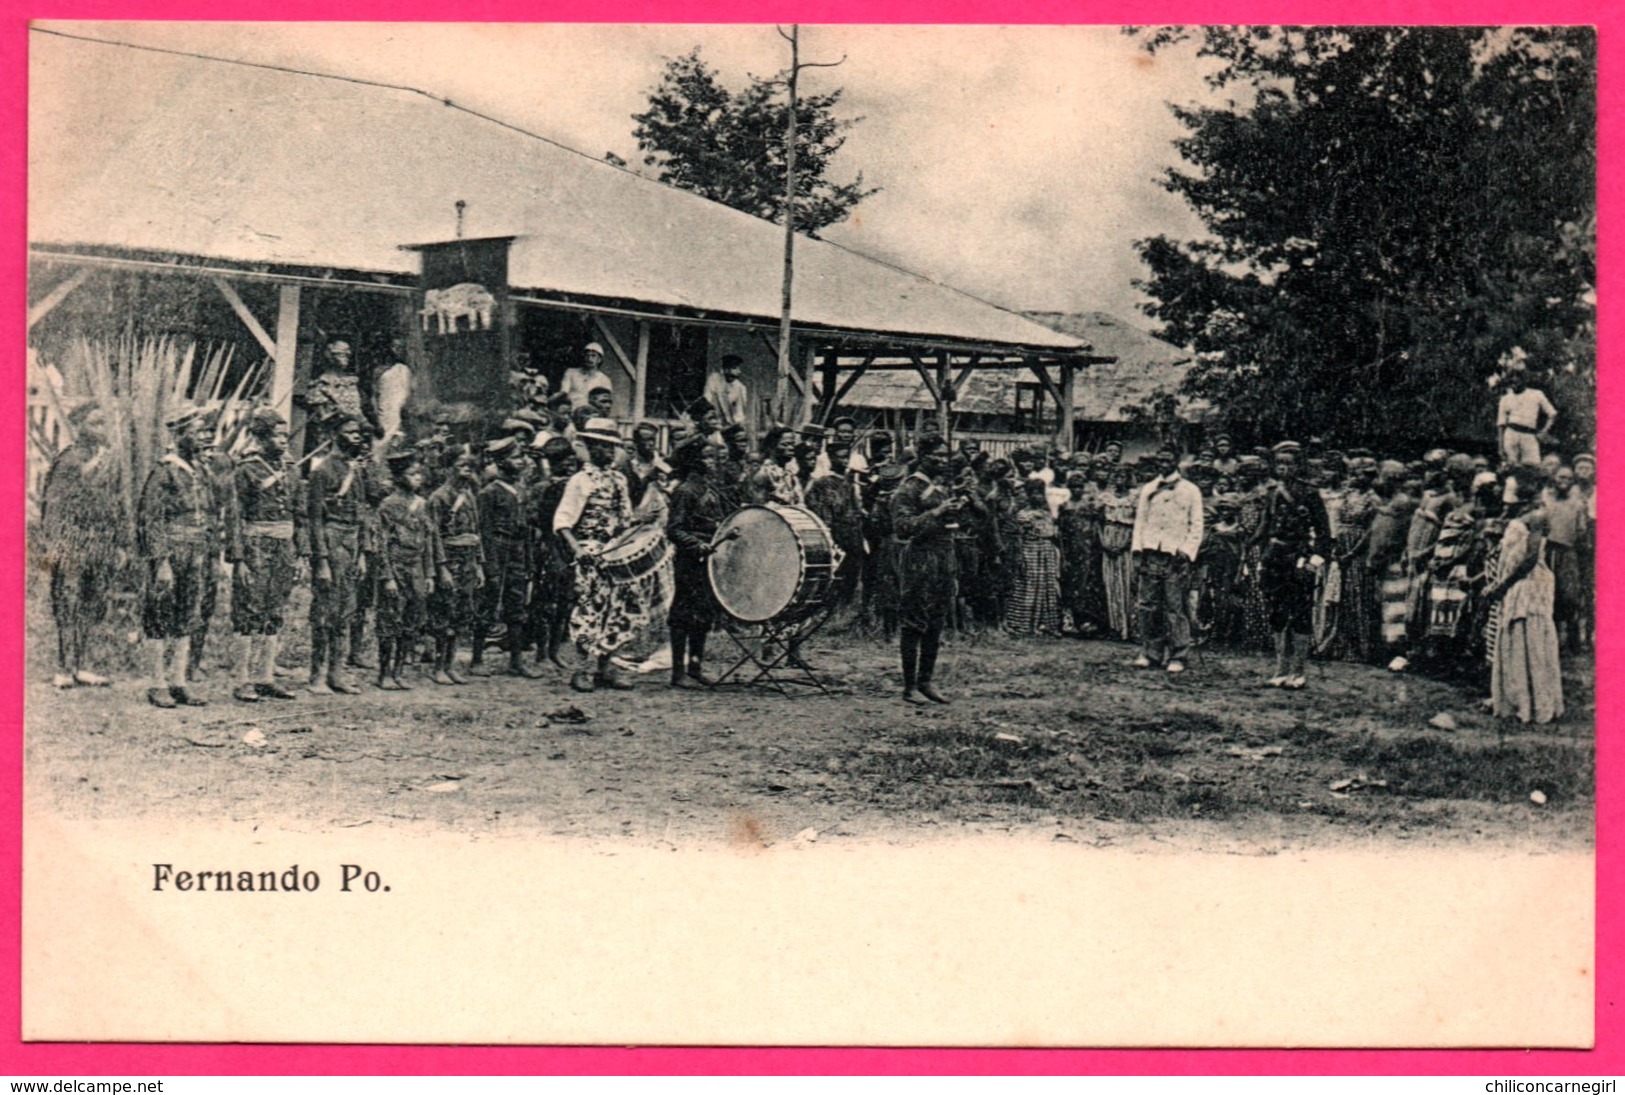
column 770, row 534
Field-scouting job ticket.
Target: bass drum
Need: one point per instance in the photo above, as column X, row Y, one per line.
column 772, row 563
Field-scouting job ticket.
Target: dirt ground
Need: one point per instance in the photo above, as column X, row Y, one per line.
column 1056, row 740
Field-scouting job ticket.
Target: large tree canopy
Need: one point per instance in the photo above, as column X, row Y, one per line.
column 729, row 146
column 1388, row 210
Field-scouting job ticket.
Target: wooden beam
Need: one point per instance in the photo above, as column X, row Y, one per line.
column 832, row 368
column 640, row 380
column 1069, row 388
column 57, row 295
column 1042, row 374
column 925, row 375
column 267, row 343
column 286, row 352
column 615, row 348
column 851, row 378
column 965, row 373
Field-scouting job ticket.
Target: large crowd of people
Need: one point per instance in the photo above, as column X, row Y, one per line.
column 558, row 530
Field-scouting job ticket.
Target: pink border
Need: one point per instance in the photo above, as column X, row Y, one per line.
column 161, row 1060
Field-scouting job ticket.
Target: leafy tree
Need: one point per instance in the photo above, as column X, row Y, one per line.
column 729, row 146
column 1388, row 210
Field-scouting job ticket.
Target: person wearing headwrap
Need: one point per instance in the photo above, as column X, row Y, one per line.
column 1355, row 626
column 411, row 562
column 1253, row 484
column 923, row 513
column 1385, row 556
column 75, row 540
column 1296, row 540
column 1034, row 607
column 1585, row 550
column 174, row 532
column 1526, row 680
column 695, row 513
column 263, row 554
column 1119, row 503
column 454, row 508
column 1083, row 592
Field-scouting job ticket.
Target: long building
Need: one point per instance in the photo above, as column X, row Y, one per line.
column 280, row 208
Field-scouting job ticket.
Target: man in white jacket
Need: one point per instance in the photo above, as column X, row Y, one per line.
column 1167, row 536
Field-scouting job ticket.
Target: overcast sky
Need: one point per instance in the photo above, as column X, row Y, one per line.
column 1017, row 163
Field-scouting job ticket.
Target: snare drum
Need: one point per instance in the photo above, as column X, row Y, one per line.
column 634, row 554
column 778, row 567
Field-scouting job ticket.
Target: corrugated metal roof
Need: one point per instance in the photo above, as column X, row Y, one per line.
column 1145, row 366
column 250, row 165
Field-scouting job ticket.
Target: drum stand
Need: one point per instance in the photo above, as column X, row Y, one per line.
column 771, row 661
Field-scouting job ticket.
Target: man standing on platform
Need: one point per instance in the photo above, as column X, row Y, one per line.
column 173, row 533
column 727, row 394
column 262, row 554
column 391, row 391
column 580, row 381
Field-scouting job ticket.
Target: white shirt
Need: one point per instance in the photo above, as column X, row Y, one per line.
column 393, row 387
column 579, row 383
column 1169, row 517
column 1524, row 409
column 729, row 397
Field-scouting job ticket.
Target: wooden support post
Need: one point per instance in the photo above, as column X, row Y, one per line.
column 1069, row 388
column 851, row 379
column 286, row 352
column 57, row 295
column 1042, row 374
column 640, row 379
column 832, row 369
column 267, row 343
column 930, row 381
column 944, row 392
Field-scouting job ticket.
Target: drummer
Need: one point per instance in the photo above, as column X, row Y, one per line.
column 596, row 508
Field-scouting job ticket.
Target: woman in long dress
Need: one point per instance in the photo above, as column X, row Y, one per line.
column 1526, row 680
column 1081, row 590
column 1252, row 479
column 1116, row 564
column 1357, row 612
column 1034, row 607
